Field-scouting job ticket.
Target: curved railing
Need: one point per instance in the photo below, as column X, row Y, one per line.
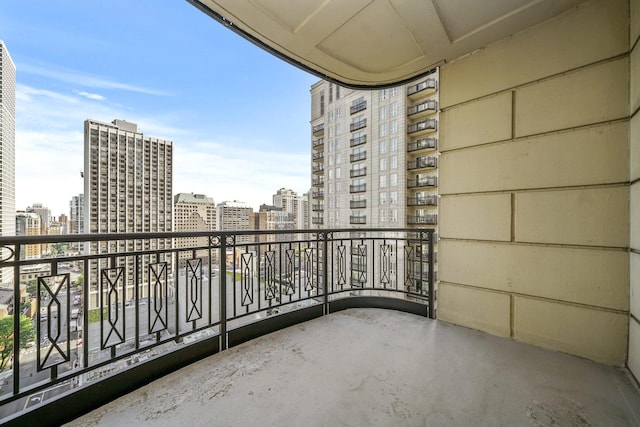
column 113, row 311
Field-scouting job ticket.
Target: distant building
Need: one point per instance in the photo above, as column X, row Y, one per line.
column 45, row 216
column 7, row 154
column 193, row 212
column 29, row 224
column 76, row 219
column 128, row 185
column 276, row 219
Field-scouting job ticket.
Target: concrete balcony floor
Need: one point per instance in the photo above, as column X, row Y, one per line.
column 374, row 367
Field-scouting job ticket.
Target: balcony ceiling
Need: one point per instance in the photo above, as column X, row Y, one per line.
column 374, row 43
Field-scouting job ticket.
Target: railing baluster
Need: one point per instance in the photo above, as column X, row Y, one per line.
column 222, row 285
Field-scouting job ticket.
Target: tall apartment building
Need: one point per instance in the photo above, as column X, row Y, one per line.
column 29, row 224
column 76, row 219
column 45, row 216
column 235, row 216
column 274, row 218
column 374, row 155
column 128, row 183
column 293, row 203
column 7, row 154
column 193, row 212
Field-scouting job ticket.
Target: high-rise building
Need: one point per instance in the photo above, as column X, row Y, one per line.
column 274, row 218
column 29, row 224
column 193, row 212
column 45, row 216
column 128, row 183
column 293, row 203
column 7, row 153
column 76, row 219
column 374, row 155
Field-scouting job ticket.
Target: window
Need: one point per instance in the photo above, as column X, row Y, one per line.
column 339, row 112
column 383, row 113
column 337, row 92
column 331, row 187
column 393, row 197
column 338, row 129
column 338, row 159
column 394, row 91
column 338, row 189
column 394, row 126
column 338, row 144
column 393, row 217
column 331, row 201
column 394, row 109
column 394, row 162
column 383, row 198
column 383, row 181
column 330, row 159
column 393, row 180
column 383, row 164
column 322, row 103
column 383, row 94
column 330, row 145
column 330, row 116
column 383, row 146
column 393, row 146
column 330, row 131
column 383, row 129
column 330, row 93
column 383, row 215
column 330, row 173
column 337, row 170
column 338, row 197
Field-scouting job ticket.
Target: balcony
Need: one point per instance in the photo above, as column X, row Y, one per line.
column 317, row 193
column 357, row 204
column 358, row 157
column 431, row 200
column 358, row 188
column 353, row 142
column 318, row 143
column 318, row 156
column 354, row 173
column 429, row 219
column 318, row 181
column 122, row 330
column 426, row 87
column 318, row 130
column 423, row 163
column 428, row 143
column 358, row 106
column 318, row 168
column 425, row 181
column 423, row 127
column 357, row 125
column 423, row 109
column 357, row 219
column 317, row 207
column 317, row 220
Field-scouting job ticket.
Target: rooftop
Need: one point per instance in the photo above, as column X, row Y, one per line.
column 381, row 367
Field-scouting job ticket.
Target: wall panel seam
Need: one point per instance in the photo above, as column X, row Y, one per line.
column 543, row 134
column 538, row 244
column 539, row 298
column 536, row 189
column 614, row 58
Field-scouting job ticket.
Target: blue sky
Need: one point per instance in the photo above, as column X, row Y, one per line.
column 238, row 117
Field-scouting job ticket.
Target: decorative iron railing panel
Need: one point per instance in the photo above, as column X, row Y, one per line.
column 132, row 297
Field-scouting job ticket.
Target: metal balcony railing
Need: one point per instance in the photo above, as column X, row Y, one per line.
column 318, row 180
column 358, row 188
column 423, row 144
column 423, row 125
column 318, row 155
column 318, row 129
column 354, row 173
column 357, row 204
column 139, row 305
column 318, row 168
column 425, row 181
column 430, row 219
column 423, row 162
column 317, row 207
column 423, row 201
column 358, row 157
column 430, row 83
column 318, row 143
column 357, row 219
column 358, row 125
column 353, row 142
column 358, row 106
column 430, row 105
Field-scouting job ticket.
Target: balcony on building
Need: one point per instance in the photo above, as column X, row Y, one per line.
column 318, row 155
column 353, row 142
column 427, row 87
column 317, row 207
column 318, row 143
column 422, row 181
column 317, row 193
column 423, row 162
column 357, row 204
column 317, row 220
column 318, row 168
column 358, row 106
column 358, row 124
column 422, row 127
column 358, row 188
column 426, row 219
column 358, row 219
column 422, row 109
column 354, row 173
column 426, row 143
column 430, row 200
column 358, row 157
column 318, row 181
column 318, row 130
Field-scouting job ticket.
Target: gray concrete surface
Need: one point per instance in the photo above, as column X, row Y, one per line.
column 373, row 367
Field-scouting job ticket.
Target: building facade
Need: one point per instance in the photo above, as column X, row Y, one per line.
column 193, row 212
column 274, row 218
column 29, row 224
column 76, row 219
column 128, row 183
column 7, row 152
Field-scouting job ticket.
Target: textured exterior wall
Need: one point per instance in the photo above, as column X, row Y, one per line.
column 535, row 207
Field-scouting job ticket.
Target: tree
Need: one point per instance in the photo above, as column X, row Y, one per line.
column 80, row 280
column 6, row 337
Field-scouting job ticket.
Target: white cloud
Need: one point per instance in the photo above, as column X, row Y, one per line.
column 94, row 96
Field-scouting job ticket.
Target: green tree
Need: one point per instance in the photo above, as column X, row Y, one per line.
column 80, row 280
column 6, row 337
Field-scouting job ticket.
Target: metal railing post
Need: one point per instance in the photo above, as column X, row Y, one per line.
column 15, row 364
column 325, row 272
column 430, row 273
column 222, row 281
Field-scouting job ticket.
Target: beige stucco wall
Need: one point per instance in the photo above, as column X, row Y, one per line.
column 634, row 210
column 535, row 171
